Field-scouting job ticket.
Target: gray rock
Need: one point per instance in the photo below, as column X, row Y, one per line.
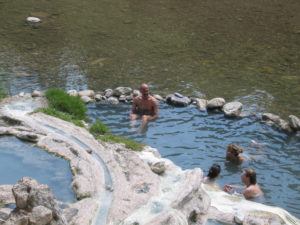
column 201, row 104
column 40, row 216
column 16, row 218
column 122, row 91
column 6, row 195
column 69, row 213
column 294, row 122
column 122, row 98
column 216, row 103
column 4, row 213
column 98, row 97
column 86, row 99
column 272, row 117
column 284, row 126
column 27, row 136
column 158, row 97
column 21, row 94
column 73, row 93
column 108, row 93
column 88, row 93
column 136, row 93
column 36, row 93
column 232, row 109
column 158, row 167
column 113, row 100
column 178, row 100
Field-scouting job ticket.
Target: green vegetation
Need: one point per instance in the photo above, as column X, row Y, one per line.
column 65, row 103
column 61, row 115
column 100, row 131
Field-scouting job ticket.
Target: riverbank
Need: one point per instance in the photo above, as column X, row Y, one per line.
column 140, row 181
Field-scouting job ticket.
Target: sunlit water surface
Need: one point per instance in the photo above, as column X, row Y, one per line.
column 18, row 159
column 193, row 139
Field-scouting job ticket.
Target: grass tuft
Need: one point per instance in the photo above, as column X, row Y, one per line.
column 61, row 115
column 98, row 128
column 63, row 102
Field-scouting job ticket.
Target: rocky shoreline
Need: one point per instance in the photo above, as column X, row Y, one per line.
column 145, row 189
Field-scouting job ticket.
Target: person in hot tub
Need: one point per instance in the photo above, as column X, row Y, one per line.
column 144, row 107
column 252, row 190
column 233, row 154
column 213, row 174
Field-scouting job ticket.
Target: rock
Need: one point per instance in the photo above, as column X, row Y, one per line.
column 294, row 122
column 129, row 98
column 27, row 136
column 113, row 100
column 36, row 93
column 33, row 19
column 16, row 218
column 21, row 193
column 272, row 117
column 216, row 103
column 122, row 91
column 108, row 93
column 6, row 195
column 122, row 98
column 284, row 126
column 69, row 213
column 73, row 93
column 21, row 94
column 86, row 99
column 4, row 213
column 98, row 97
column 136, row 93
column 158, row 97
column 201, row 104
column 232, row 109
column 40, row 216
column 88, row 93
column 178, row 100
column 158, row 167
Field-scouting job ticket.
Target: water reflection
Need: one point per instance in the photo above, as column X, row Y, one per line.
column 194, row 139
column 19, row 159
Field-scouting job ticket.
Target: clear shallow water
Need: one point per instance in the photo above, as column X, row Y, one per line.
column 18, row 159
column 193, row 139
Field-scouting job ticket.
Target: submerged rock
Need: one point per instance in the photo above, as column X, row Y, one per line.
column 178, row 100
column 216, row 103
column 232, row 109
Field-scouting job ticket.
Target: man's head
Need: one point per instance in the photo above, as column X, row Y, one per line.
column 249, row 176
column 214, row 171
column 144, row 89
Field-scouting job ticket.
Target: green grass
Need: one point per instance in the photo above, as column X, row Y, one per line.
column 131, row 144
column 102, row 132
column 98, row 128
column 61, row 115
column 65, row 103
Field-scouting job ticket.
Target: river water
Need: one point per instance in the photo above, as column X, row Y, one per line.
column 240, row 50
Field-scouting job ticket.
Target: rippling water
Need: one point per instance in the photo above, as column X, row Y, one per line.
column 18, row 159
column 193, row 139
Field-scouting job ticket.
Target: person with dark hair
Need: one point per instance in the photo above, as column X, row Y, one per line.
column 233, row 154
column 252, row 190
column 213, row 174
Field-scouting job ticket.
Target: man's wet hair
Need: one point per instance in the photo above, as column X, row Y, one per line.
column 214, row 171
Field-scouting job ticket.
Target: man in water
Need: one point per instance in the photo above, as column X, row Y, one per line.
column 252, row 189
column 144, row 107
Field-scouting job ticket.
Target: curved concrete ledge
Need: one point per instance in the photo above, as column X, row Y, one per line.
column 146, row 189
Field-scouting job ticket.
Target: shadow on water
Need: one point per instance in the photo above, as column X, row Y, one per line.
column 193, row 139
column 19, row 159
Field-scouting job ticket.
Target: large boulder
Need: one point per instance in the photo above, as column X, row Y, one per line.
column 40, row 215
column 122, row 91
column 294, row 122
column 216, row 103
column 178, row 100
column 232, row 109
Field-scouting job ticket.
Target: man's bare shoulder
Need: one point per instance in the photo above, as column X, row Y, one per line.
column 152, row 99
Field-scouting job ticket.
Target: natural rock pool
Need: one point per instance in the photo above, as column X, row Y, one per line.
column 18, row 159
column 194, row 139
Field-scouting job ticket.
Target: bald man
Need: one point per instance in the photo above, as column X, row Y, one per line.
column 144, row 107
